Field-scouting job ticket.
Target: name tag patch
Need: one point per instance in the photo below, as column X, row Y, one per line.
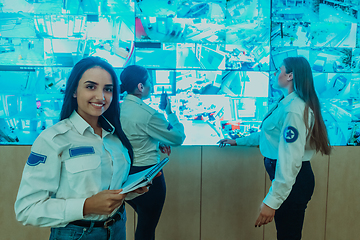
column 291, row 134
column 81, row 151
column 35, row 159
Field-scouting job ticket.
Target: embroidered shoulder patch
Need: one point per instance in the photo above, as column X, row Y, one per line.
column 170, row 127
column 81, row 151
column 35, row 159
column 291, row 134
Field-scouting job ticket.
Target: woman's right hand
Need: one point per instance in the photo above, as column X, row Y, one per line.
column 104, row 202
column 223, row 142
column 165, row 148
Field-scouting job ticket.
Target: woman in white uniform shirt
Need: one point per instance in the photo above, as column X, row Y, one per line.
column 291, row 133
column 73, row 176
column 147, row 130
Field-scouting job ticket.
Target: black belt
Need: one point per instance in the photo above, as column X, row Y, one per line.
column 105, row 224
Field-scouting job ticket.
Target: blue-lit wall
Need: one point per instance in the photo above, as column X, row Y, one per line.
column 215, row 59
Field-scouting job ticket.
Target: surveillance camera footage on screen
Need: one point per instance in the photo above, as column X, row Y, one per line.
column 215, row 59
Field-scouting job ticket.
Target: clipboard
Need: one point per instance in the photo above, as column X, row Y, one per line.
column 143, row 178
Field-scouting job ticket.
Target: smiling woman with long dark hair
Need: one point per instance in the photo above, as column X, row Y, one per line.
column 73, row 176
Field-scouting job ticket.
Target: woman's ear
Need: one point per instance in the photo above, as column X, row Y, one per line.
column 140, row 87
column 74, row 94
column 290, row 77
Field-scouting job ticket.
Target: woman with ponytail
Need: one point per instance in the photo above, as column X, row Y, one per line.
column 149, row 133
column 291, row 133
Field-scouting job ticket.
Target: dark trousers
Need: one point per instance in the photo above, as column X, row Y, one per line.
column 148, row 206
column 289, row 218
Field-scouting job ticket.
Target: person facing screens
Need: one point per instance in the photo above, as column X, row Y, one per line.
column 72, row 179
column 291, row 132
column 148, row 132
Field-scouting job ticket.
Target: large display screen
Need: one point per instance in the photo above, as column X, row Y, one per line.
column 216, row 59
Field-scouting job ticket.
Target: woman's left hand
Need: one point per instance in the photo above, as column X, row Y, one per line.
column 266, row 215
column 223, row 142
column 141, row 190
column 146, row 188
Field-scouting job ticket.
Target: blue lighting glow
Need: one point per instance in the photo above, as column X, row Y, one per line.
column 215, row 59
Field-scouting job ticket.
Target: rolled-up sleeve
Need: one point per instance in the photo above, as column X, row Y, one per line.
column 35, row 203
column 169, row 132
column 290, row 153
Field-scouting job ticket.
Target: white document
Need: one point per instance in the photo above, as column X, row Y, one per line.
column 143, row 178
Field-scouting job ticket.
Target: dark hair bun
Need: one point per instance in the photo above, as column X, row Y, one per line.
column 131, row 76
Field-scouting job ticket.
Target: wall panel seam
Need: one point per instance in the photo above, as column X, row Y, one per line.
column 327, row 195
column 201, row 182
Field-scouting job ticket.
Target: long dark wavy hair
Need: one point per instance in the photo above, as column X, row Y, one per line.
column 304, row 88
column 112, row 114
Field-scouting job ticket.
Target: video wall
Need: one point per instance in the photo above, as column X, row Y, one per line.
column 216, row 59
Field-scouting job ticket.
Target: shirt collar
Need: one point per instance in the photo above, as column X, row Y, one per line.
column 133, row 98
column 288, row 98
column 81, row 125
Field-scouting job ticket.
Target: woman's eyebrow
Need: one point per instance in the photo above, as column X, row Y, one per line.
column 108, row 85
column 91, row 82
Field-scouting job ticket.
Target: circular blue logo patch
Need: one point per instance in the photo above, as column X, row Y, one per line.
column 291, row 134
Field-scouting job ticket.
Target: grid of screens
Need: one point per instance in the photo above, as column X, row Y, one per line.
column 214, row 58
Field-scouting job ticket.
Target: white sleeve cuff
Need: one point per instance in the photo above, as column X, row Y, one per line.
column 172, row 118
column 272, row 201
column 240, row 141
column 74, row 209
column 251, row 141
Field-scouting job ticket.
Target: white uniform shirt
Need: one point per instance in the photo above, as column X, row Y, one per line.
column 283, row 136
column 145, row 128
column 69, row 163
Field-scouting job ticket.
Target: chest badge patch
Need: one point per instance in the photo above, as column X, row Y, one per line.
column 291, row 134
column 81, row 151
